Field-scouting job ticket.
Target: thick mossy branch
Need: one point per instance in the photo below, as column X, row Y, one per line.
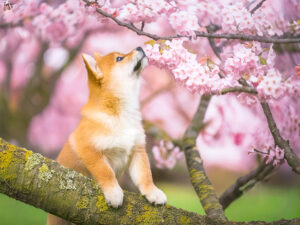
column 199, row 179
column 43, row 183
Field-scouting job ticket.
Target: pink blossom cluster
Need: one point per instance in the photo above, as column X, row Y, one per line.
column 269, row 20
column 295, row 26
column 184, row 22
column 286, row 113
column 105, row 5
column 249, row 61
column 185, row 17
column 228, row 136
column 287, row 117
column 257, row 65
column 236, row 18
column 201, row 77
column 20, row 10
column 242, row 60
column 166, row 154
column 273, row 155
column 265, row 20
column 272, row 85
column 208, row 12
column 144, row 10
column 56, row 24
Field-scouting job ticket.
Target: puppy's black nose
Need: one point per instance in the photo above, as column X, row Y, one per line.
column 141, row 50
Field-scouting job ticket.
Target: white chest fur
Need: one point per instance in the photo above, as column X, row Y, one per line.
column 126, row 131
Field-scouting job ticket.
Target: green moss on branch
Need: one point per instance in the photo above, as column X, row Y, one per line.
column 83, row 202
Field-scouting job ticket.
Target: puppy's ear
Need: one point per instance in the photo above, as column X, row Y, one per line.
column 91, row 66
column 97, row 56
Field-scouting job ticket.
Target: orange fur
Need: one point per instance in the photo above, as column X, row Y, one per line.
column 110, row 135
column 145, row 183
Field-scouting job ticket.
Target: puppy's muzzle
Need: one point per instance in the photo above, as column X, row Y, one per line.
column 141, row 50
column 139, row 63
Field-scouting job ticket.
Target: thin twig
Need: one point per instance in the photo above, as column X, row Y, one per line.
column 244, row 183
column 157, row 133
column 289, row 154
column 243, row 37
column 292, row 159
column 257, row 6
column 142, row 26
column 247, row 6
column 212, row 28
column 237, row 189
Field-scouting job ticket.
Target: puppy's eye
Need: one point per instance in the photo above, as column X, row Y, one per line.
column 118, row 59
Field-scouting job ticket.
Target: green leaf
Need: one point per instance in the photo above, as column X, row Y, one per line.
column 262, row 60
column 151, row 42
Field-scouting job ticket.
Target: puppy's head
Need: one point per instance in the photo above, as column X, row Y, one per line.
column 115, row 71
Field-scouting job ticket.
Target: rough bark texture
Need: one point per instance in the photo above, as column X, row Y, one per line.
column 43, row 183
column 292, row 159
column 199, row 179
column 244, row 183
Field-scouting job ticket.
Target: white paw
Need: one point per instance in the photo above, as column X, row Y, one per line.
column 156, row 196
column 114, row 196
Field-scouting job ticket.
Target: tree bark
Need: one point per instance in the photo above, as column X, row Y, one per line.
column 194, row 162
column 291, row 157
column 43, row 183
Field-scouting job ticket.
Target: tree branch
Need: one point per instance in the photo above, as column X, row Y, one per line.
column 11, row 25
column 199, row 179
column 292, row 159
column 245, row 183
column 157, row 133
column 243, row 37
column 43, row 183
column 212, row 28
column 245, row 89
column 43, row 87
column 257, row 6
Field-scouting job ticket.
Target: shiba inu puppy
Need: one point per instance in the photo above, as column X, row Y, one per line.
column 110, row 136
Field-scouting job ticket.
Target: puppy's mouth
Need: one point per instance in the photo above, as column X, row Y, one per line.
column 138, row 65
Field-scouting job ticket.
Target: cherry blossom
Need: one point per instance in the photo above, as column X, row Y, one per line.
column 190, row 62
column 166, row 154
column 272, row 155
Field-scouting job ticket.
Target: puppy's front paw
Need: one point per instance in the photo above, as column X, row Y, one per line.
column 156, row 196
column 114, row 196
